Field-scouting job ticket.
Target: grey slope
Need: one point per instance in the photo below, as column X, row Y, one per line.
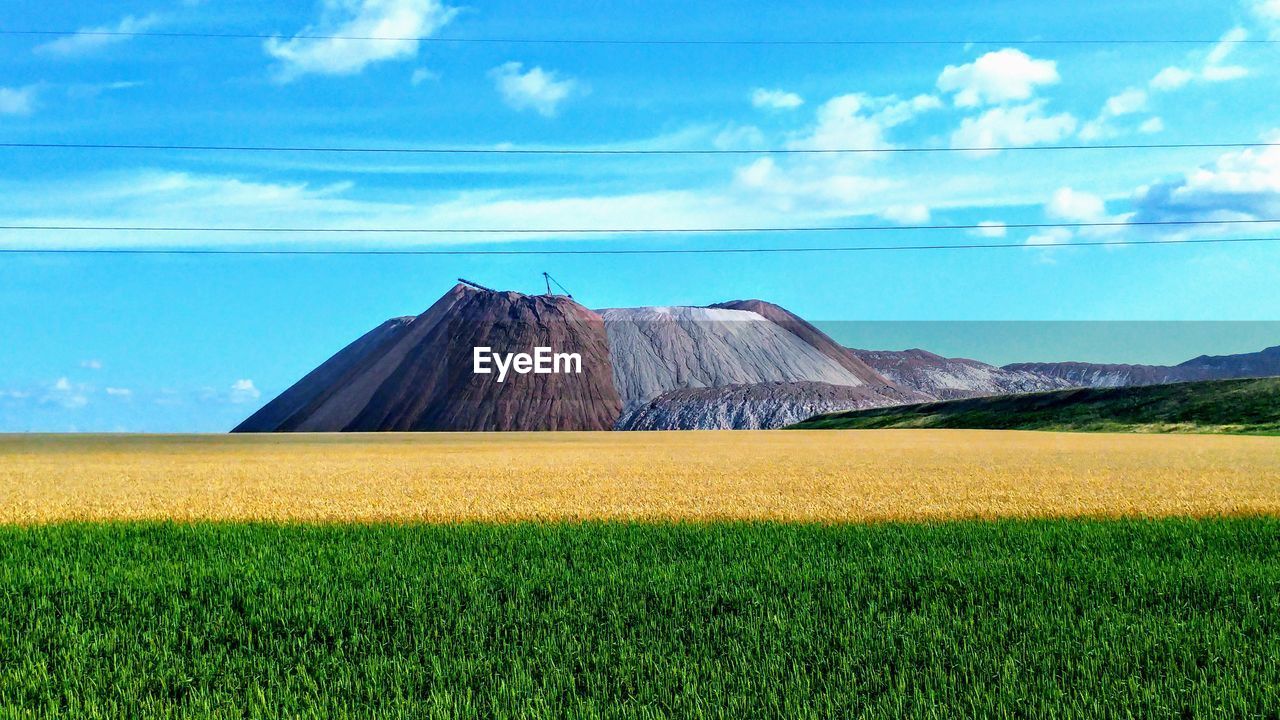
column 761, row 406
column 659, row 349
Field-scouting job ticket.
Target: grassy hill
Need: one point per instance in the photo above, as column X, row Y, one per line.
column 1222, row 406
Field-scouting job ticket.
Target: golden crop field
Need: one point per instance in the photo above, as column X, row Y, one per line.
column 785, row 475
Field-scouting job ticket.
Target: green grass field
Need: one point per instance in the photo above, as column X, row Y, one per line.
column 1167, row 618
column 1222, row 406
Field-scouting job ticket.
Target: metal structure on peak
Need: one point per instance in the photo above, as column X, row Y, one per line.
column 475, row 285
column 548, row 279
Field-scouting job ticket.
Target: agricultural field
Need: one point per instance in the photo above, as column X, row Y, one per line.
column 1064, row 619
column 792, row 476
column 879, row 574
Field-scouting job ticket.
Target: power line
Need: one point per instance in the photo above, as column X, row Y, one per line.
column 443, row 150
column 515, row 40
column 641, row 251
column 633, row 231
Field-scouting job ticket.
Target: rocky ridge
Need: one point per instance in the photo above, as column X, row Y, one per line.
column 942, row 378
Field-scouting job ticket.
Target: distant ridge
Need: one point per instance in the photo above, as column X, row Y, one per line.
column 1265, row 363
column 942, row 378
column 1215, row 406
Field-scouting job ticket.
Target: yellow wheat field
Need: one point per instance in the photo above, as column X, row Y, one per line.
column 792, row 476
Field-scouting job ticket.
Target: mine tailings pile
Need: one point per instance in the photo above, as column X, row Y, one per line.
column 744, row 364
column 417, row 373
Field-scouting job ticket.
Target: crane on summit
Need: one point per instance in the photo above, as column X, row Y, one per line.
column 550, row 280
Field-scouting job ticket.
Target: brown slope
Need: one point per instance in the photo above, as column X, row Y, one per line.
column 344, row 401
column 804, row 330
column 425, row 381
column 436, row 389
column 319, row 383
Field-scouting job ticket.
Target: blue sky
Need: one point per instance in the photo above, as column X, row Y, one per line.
column 196, row 343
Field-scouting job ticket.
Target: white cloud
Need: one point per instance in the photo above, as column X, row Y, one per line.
column 836, row 185
column 739, row 137
column 991, row 229
column 186, row 191
column 1212, row 70
column 67, row 394
column 1052, row 236
column 857, row 121
column 1238, row 185
column 185, row 198
column 823, row 187
column 1171, row 78
column 87, row 40
column 1096, row 130
column 758, row 174
column 845, row 122
column 1266, row 9
column 17, row 101
column 535, row 89
column 1151, row 126
column 422, row 75
column 92, row 90
column 119, row 392
column 1128, row 102
column 1268, row 14
column 906, row 214
column 243, row 391
column 1000, row 78
column 1016, row 126
column 402, row 20
column 1048, row 239
column 91, row 364
column 895, row 112
column 1219, row 53
column 1216, row 73
column 813, row 189
column 706, row 207
column 997, row 77
column 1076, row 206
column 171, row 198
column 775, row 99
